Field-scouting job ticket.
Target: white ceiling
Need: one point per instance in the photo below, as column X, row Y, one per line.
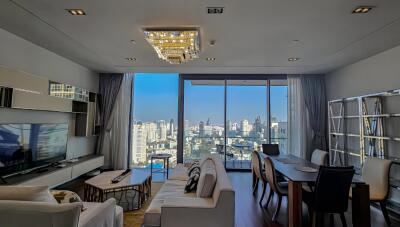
column 252, row 36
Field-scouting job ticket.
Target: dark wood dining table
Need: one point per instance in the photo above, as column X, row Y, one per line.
column 288, row 166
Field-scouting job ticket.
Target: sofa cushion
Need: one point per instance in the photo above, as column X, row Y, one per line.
column 179, row 173
column 27, row 193
column 207, row 181
column 170, row 189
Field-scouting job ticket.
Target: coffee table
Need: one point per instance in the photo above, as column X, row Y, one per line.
column 98, row 188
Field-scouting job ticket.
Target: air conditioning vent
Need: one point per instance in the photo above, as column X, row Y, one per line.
column 215, row 10
column 6, row 97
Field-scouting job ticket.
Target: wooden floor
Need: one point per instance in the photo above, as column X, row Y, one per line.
column 250, row 214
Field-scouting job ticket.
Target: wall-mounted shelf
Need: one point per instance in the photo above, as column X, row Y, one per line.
column 20, row 90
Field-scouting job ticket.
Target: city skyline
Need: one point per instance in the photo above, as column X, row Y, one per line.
column 156, row 98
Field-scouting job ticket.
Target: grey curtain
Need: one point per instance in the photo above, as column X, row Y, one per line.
column 315, row 100
column 109, row 85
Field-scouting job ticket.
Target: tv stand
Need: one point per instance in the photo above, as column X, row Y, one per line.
column 55, row 176
column 2, row 181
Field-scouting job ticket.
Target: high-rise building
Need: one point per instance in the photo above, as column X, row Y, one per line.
column 245, row 127
column 171, row 128
column 151, row 132
column 139, row 138
column 162, row 130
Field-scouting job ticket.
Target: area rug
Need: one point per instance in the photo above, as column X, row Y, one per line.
column 136, row 218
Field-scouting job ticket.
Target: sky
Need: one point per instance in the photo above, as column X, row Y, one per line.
column 156, row 98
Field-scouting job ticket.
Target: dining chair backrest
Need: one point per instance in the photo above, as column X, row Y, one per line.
column 332, row 189
column 319, row 157
column 270, row 149
column 375, row 173
column 256, row 163
column 271, row 174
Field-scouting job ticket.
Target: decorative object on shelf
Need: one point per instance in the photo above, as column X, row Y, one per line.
column 174, row 45
column 374, row 129
column 68, row 91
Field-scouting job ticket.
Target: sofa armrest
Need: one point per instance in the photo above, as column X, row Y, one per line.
column 98, row 214
column 183, row 202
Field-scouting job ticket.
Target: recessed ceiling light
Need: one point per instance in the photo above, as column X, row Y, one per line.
column 76, row 12
column 130, row 59
column 215, row 10
column 362, row 9
column 210, row 59
column 295, row 40
column 133, row 41
column 293, row 59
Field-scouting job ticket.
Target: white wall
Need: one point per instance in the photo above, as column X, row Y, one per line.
column 17, row 53
column 378, row 73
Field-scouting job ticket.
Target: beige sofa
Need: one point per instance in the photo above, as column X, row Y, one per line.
column 171, row 207
column 16, row 213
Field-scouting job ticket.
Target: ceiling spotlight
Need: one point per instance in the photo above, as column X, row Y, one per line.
column 293, row 59
column 76, row 12
column 133, row 41
column 210, row 59
column 212, row 42
column 362, row 9
column 130, row 59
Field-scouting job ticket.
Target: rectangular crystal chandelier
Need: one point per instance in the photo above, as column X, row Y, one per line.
column 174, row 45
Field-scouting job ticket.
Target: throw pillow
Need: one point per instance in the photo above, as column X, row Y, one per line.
column 207, row 180
column 194, row 167
column 194, row 163
column 65, row 196
column 191, row 184
column 27, row 193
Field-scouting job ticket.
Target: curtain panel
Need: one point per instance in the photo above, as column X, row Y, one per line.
column 297, row 118
column 315, row 99
column 307, row 114
column 109, row 85
column 116, row 152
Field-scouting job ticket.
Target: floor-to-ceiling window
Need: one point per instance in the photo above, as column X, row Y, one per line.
column 279, row 109
column 231, row 116
column 203, row 118
column 154, row 119
column 246, row 120
column 218, row 114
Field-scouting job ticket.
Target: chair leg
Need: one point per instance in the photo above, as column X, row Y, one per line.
column 255, row 186
column 385, row 212
column 278, row 207
column 343, row 219
column 271, row 193
column 264, row 185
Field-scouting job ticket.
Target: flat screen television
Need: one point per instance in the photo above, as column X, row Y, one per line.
column 26, row 146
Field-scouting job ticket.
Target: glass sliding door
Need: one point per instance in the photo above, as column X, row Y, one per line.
column 246, row 121
column 203, row 122
column 154, row 119
column 279, row 109
column 231, row 115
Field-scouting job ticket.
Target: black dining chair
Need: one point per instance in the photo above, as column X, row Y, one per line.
column 270, row 149
column 330, row 194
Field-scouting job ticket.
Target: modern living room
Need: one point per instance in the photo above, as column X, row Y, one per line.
column 199, row 113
